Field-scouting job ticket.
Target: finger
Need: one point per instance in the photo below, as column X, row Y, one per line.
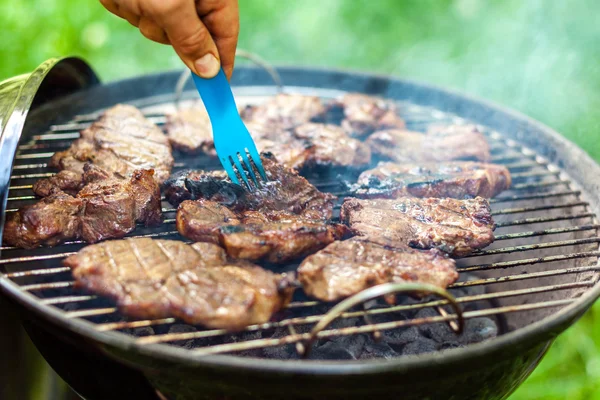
column 221, row 17
column 122, row 12
column 188, row 35
column 152, row 31
column 111, row 6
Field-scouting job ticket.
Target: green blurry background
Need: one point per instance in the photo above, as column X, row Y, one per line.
column 539, row 57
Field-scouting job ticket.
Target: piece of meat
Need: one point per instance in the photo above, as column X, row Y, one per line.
column 286, row 110
column 108, row 206
column 332, row 147
column 286, row 190
column 190, row 131
column 66, row 181
column 307, row 145
column 205, row 182
column 364, row 114
column 403, row 146
column 345, row 268
column 151, row 279
column 291, row 151
column 277, row 237
column 310, row 145
column 458, row 180
column 202, row 220
column 121, row 141
column 52, row 220
column 272, row 236
column 113, row 205
column 457, row 227
column 108, row 211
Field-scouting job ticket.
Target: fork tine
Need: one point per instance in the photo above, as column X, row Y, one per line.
column 229, row 169
column 241, row 170
column 231, row 136
column 249, row 167
column 257, row 161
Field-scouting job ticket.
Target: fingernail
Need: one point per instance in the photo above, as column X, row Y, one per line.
column 207, row 66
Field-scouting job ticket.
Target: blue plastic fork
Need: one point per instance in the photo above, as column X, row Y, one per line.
column 233, row 142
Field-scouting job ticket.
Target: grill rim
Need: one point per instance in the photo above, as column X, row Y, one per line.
column 537, row 332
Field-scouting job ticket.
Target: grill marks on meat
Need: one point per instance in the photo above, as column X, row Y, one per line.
column 162, row 278
column 345, row 268
column 121, row 141
column 363, row 114
column 286, row 110
column 286, row 191
column 457, row 227
column 190, row 131
column 460, row 142
column 107, row 206
column 457, row 180
column 272, row 236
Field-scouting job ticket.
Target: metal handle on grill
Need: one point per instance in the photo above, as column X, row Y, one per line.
column 185, row 75
column 379, row 291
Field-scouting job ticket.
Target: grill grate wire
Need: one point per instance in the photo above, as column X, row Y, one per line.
column 534, row 180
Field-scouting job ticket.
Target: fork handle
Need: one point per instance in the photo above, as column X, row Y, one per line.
column 216, row 95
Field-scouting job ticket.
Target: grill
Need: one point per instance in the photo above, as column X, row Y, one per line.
column 543, row 263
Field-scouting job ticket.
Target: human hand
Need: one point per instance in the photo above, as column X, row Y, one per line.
column 204, row 33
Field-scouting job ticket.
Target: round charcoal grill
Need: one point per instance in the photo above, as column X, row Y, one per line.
column 536, row 279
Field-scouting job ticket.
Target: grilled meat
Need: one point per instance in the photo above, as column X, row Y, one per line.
column 451, row 129
column 282, row 220
column 204, row 184
column 113, row 205
column 162, row 278
column 332, row 147
column 190, row 131
column 458, row 180
column 345, row 268
column 310, row 145
column 285, row 191
column 201, row 220
column 107, row 206
column 286, row 110
column 273, row 236
column 120, row 141
column 50, row 221
column 291, row 151
column 66, row 181
column 363, row 114
column 453, row 143
column 306, row 145
column 457, row 227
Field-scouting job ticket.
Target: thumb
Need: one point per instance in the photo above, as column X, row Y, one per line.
column 189, row 37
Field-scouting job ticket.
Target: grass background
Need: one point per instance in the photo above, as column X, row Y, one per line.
column 539, row 57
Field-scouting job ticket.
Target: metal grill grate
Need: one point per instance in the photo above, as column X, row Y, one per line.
column 545, row 254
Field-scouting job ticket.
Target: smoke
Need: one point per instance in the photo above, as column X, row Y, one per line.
column 537, row 56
